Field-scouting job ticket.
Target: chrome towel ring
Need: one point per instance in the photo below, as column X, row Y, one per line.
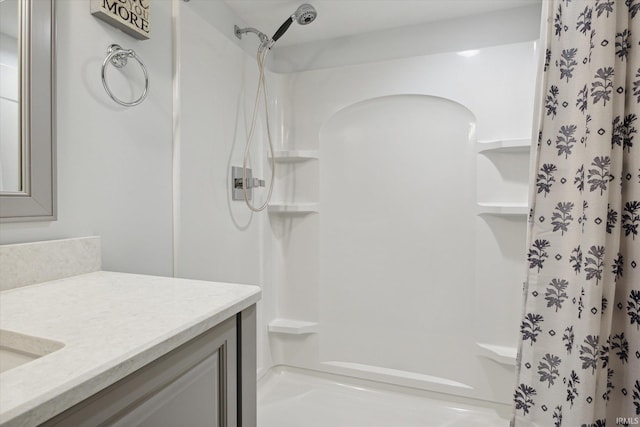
column 118, row 57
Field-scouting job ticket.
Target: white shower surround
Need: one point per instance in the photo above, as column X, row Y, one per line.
column 456, row 271
column 286, row 254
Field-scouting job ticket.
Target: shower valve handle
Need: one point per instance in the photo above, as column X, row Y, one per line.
column 255, row 182
column 251, row 183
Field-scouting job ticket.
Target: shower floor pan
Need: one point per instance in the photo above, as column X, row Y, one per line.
column 290, row 397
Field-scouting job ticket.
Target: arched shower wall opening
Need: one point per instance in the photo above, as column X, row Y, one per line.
column 397, row 241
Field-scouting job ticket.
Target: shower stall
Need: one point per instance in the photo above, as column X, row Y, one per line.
column 391, row 253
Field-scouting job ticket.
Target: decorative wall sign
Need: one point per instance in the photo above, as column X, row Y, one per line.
column 131, row 16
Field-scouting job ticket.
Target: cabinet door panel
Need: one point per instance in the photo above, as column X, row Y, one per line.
column 191, row 400
column 193, row 385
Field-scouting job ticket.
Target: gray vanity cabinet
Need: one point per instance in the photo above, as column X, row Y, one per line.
column 207, row 382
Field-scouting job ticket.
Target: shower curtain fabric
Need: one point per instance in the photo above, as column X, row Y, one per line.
column 579, row 352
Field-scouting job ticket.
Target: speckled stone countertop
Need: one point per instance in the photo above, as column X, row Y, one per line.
column 111, row 324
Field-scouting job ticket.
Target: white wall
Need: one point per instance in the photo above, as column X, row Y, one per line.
column 114, row 164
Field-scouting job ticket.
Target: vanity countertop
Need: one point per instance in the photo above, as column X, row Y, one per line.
column 111, row 324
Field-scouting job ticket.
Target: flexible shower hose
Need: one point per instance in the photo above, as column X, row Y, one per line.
column 262, row 86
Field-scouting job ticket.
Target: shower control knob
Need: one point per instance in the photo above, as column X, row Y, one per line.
column 237, row 180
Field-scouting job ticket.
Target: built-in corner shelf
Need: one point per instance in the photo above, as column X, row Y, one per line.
column 293, row 208
column 503, row 208
column 505, row 146
column 290, row 156
column 292, row 327
column 501, row 354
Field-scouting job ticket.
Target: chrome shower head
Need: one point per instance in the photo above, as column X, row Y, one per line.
column 305, row 14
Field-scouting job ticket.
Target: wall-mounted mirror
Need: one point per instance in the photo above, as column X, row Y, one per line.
column 27, row 125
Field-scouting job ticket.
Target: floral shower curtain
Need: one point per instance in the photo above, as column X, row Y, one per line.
column 579, row 355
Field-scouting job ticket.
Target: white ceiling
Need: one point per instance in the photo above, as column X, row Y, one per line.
column 337, row 18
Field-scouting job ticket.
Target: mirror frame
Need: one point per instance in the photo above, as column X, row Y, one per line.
column 37, row 199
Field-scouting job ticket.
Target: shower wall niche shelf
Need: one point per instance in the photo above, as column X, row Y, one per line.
column 502, row 172
column 290, row 156
column 293, row 208
column 292, row 327
column 504, row 146
column 498, row 353
column 503, row 208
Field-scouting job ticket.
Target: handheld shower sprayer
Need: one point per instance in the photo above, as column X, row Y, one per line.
column 305, row 14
